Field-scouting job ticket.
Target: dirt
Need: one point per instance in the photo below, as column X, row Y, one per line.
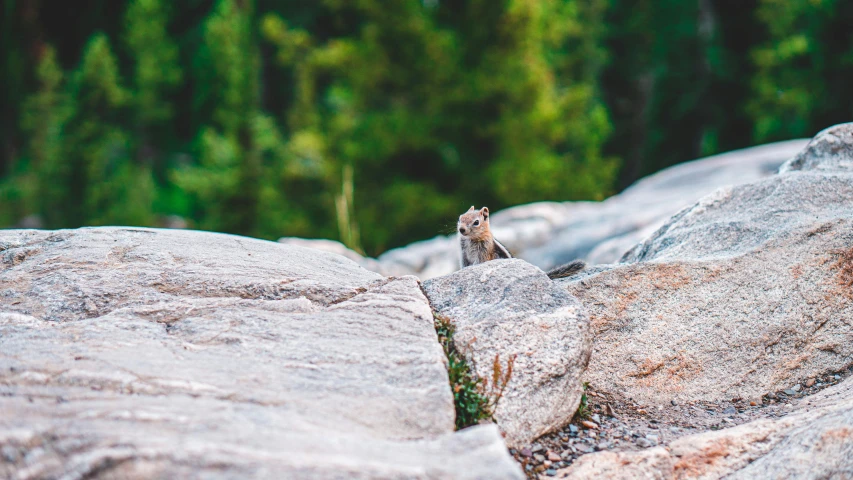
column 618, row 424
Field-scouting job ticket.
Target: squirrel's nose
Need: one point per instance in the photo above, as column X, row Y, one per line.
column 462, row 230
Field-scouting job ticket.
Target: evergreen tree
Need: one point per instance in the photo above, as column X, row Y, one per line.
column 436, row 106
column 660, row 84
column 543, row 66
column 240, row 150
column 33, row 183
column 804, row 69
column 104, row 186
column 156, row 73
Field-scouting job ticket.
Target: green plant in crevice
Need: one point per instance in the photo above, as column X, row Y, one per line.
column 475, row 398
column 583, row 407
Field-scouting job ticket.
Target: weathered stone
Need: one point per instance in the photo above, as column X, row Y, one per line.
column 748, row 291
column 814, row 442
column 338, row 248
column 140, row 353
column 830, row 150
column 510, row 309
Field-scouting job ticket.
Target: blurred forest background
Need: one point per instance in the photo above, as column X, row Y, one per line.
column 377, row 122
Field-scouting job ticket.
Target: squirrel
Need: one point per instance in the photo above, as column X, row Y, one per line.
column 479, row 245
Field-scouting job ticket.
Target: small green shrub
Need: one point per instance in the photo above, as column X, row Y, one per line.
column 475, row 398
column 583, row 408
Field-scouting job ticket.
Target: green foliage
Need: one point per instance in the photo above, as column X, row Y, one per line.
column 156, row 64
column 28, row 188
column 429, row 116
column 471, row 404
column 104, row 186
column 583, row 407
column 377, row 122
column 240, row 151
column 475, row 398
column 795, row 67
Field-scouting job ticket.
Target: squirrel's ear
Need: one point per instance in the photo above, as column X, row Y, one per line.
column 484, row 212
column 471, row 209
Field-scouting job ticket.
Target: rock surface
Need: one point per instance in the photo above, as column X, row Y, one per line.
column 335, row 247
column 140, row 353
column 746, row 292
column 511, row 309
column 548, row 234
column 831, row 150
column 815, row 441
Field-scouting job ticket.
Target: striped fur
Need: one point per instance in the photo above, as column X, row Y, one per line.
column 567, row 270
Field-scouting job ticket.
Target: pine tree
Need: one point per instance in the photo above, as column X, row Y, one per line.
column 435, row 104
column 156, row 73
column 240, row 149
column 34, row 184
column 544, row 65
column 803, row 80
column 104, row 185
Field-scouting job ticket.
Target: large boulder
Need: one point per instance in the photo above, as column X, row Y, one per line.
column 814, row 441
column 748, row 291
column 509, row 309
column 140, row 353
column 831, row 149
column 337, row 248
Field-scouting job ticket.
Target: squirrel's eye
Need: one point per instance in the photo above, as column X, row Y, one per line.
column 476, row 222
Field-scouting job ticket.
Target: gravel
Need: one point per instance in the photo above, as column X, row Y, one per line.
column 638, row 427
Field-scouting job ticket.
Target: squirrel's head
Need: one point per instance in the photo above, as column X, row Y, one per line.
column 474, row 224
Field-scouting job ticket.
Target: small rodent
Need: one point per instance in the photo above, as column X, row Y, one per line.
column 479, row 245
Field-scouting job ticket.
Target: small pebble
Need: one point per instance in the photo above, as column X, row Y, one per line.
column 588, row 424
column 9, row 454
column 651, row 437
column 573, row 428
column 539, row 458
column 729, row 411
column 596, row 419
column 643, row 443
column 550, row 472
column 536, row 448
column 525, row 452
column 796, row 388
column 584, row 448
column 836, row 377
column 553, row 457
column 601, row 446
column 753, row 404
column 547, row 463
column 810, row 382
column 789, row 392
column 673, row 402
